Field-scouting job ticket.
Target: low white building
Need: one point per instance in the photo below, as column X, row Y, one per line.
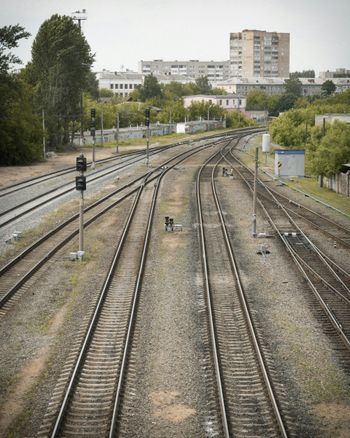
column 120, row 83
column 229, row 102
column 123, row 83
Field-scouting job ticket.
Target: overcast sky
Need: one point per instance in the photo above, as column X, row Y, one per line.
column 122, row 32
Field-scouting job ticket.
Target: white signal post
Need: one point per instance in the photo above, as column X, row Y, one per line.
column 254, row 191
column 117, row 134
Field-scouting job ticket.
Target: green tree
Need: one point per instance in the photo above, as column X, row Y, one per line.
column 333, row 150
column 172, row 112
column 203, row 86
column 61, row 62
column 218, row 91
column 9, row 37
column 20, row 130
column 293, row 87
column 257, row 100
column 328, row 88
column 150, row 89
column 91, row 86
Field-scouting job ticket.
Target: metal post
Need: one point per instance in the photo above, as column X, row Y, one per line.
column 80, row 16
column 147, row 147
column 254, row 191
column 102, row 125
column 117, row 135
column 93, row 152
column 81, row 220
column 44, row 140
column 81, row 119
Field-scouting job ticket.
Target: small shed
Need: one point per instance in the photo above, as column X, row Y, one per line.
column 290, row 162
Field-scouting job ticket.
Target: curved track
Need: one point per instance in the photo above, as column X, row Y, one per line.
column 329, row 282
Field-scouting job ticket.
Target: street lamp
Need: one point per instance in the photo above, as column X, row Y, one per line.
column 80, row 16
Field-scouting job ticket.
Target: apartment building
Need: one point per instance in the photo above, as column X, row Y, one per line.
column 257, row 53
column 338, row 73
column 215, row 70
column 309, row 86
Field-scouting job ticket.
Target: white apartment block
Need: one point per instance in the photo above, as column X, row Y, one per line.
column 339, row 72
column 309, row 86
column 228, row 102
column 215, row 70
column 257, row 53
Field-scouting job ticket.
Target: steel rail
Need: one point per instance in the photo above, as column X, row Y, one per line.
column 337, row 326
column 213, row 335
column 244, row 303
column 102, row 296
column 21, row 281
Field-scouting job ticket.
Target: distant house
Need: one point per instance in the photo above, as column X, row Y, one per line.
column 229, row 102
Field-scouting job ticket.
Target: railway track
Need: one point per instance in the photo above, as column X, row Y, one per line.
column 15, row 274
column 15, row 210
column 328, row 281
column 337, row 232
column 246, row 397
column 92, row 397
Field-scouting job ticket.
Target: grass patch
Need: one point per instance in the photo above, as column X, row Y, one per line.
column 311, row 186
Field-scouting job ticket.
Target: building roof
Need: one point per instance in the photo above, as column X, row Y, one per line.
column 105, row 74
column 214, row 96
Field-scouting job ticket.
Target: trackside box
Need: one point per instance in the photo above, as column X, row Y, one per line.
column 290, row 162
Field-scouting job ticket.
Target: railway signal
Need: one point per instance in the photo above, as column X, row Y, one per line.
column 147, row 116
column 81, row 163
column 80, row 185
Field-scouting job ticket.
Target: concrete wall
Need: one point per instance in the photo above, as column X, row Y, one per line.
column 339, row 183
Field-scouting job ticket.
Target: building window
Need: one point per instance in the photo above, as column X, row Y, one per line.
column 116, row 86
column 121, row 86
column 130, row 86
column 227, row 102
column 111, row 86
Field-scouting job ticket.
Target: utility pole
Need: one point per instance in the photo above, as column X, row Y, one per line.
column 102, row 139
column 254, row 191
column 80, row 16
column 117, row 133
column 44, row 139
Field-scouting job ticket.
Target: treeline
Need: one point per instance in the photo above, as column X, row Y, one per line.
column 327, row 147
column 167, row 98
column 277, row 103
column 50, row 85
